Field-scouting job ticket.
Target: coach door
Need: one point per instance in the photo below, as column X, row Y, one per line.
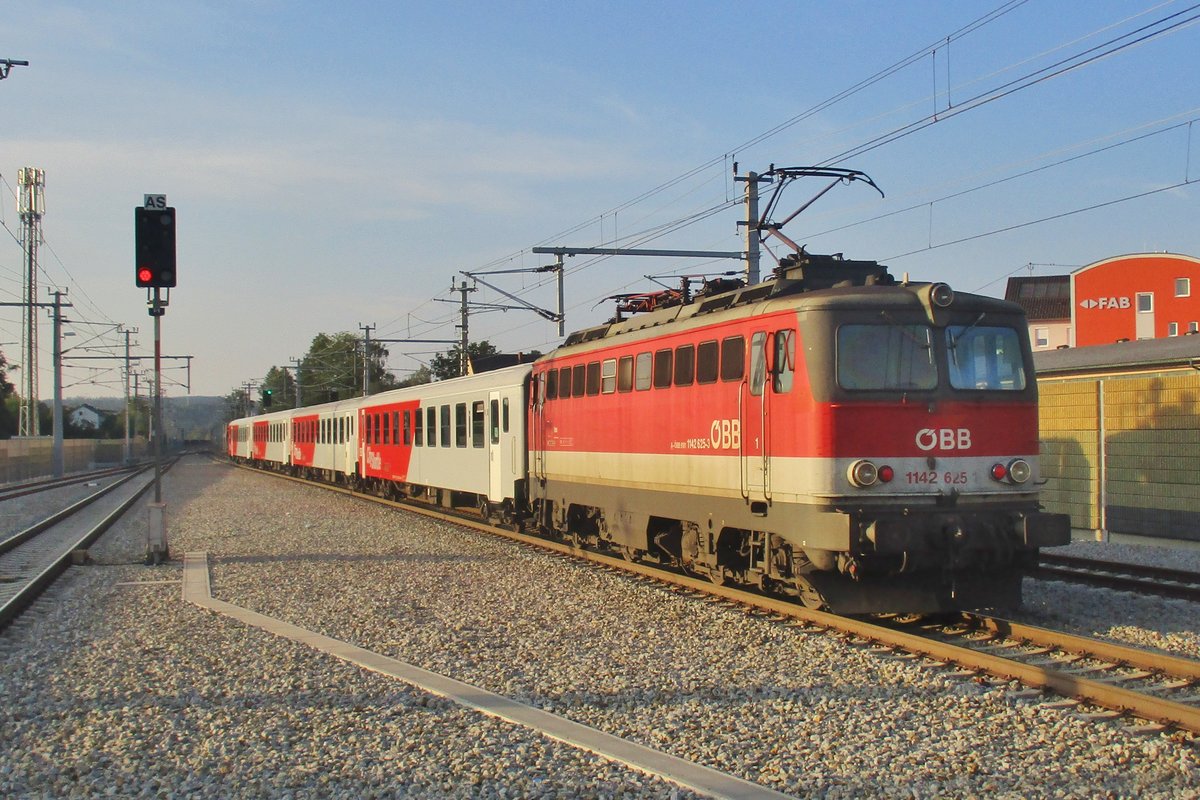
column 495, row 449
column 754, row 447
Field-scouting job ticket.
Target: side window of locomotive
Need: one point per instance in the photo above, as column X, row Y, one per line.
column 641, row 376
column 608, row 376
column 578, row 380
column 685, row 364
column 477, row 422
column 625, row 374
column 784, row 362
column 494, row 408
column 593, row 378
column 460, row 424
column 662, row 368
column 885, row 357
column 551, row 384
column 985, row 358
column 733, row 358
column 708, row 362
column 564, row 382
column 758, row 362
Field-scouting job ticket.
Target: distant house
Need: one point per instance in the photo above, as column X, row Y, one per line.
column 1047, row 304
column 86, row 416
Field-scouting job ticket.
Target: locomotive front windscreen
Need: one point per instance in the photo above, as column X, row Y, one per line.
column 984, row 357
column 895, row 357
column 886, row 357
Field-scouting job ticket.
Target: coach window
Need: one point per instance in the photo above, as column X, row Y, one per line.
column 494, row 408
column 641, row 375
column 733, row 358
column 662, row 368
column 784, row 362
column 625, row 374
column 564, row 382
column 685, row 364
column 758, row 363
column 408, row 427
column 418, row 428
column 608, row 376
column 593, row 378
column 551, row 384
column 460, row 424
column 431, row 426
column 708, row 362
column 477, row 423
column 396, row 429
column 504, row 414
column 387, row 429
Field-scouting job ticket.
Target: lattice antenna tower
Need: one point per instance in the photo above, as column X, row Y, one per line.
column 31, row 205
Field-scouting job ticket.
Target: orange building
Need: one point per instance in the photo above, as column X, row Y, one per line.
column 1142, row 296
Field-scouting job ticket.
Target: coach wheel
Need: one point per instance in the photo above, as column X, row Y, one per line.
column 629, row 553
column 485, row 509
column 717, row 575
column 506, row 513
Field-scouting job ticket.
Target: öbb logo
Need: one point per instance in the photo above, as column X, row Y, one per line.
column 725, row 434
column 944, row 439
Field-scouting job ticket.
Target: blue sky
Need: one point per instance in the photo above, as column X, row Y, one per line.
column 339, row 164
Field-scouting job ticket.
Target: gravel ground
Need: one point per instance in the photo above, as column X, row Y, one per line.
column 125, row 689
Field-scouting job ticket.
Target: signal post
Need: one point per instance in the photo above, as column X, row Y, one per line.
column 154, row 270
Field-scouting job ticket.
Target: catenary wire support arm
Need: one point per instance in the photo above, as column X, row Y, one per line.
column 7, row 64
column 782, row 176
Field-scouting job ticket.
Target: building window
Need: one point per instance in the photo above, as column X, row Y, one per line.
column 1172, row 329
column 1183, row 287
column 1145, row 302
column 1041, row 337
column 1193, row 327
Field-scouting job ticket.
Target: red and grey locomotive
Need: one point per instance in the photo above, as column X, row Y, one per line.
column 860, row 443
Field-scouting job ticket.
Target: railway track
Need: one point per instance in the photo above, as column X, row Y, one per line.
column 1161, row 581
column 1160, row 689
column 31, row 559
column 33, row 487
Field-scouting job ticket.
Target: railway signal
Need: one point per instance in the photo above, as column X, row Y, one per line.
column 154, row 236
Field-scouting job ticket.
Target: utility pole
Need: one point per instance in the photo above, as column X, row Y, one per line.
column 128, row 441
column 752, row 180
column 366, row 329
column 296, row 361
column 464, row 363
column 56, row 452
column 31, row 204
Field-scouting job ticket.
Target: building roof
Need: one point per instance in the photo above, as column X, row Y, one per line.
column 1043, row 298
column 1171, row 352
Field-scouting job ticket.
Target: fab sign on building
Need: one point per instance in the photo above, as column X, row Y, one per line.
column 1142, row 296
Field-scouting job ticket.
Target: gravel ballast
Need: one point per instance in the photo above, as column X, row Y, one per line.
column 118, row 686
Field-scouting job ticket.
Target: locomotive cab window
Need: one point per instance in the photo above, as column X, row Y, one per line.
column 783, row 366
column 985, row 358
column 890, row 357
column 758, row 363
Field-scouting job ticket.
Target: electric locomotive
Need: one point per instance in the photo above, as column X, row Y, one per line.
column 860, row 443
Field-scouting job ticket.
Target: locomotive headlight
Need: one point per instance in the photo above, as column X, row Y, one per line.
column 862, row 473
column 941, row 294
column 1019, row 470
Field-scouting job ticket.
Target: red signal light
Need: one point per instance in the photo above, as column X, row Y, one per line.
column 144, row 276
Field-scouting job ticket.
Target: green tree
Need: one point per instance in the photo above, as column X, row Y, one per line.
column 449, row 364
column 333, row 368
column 283, row 388
column 8, row 402
column 419, row 376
